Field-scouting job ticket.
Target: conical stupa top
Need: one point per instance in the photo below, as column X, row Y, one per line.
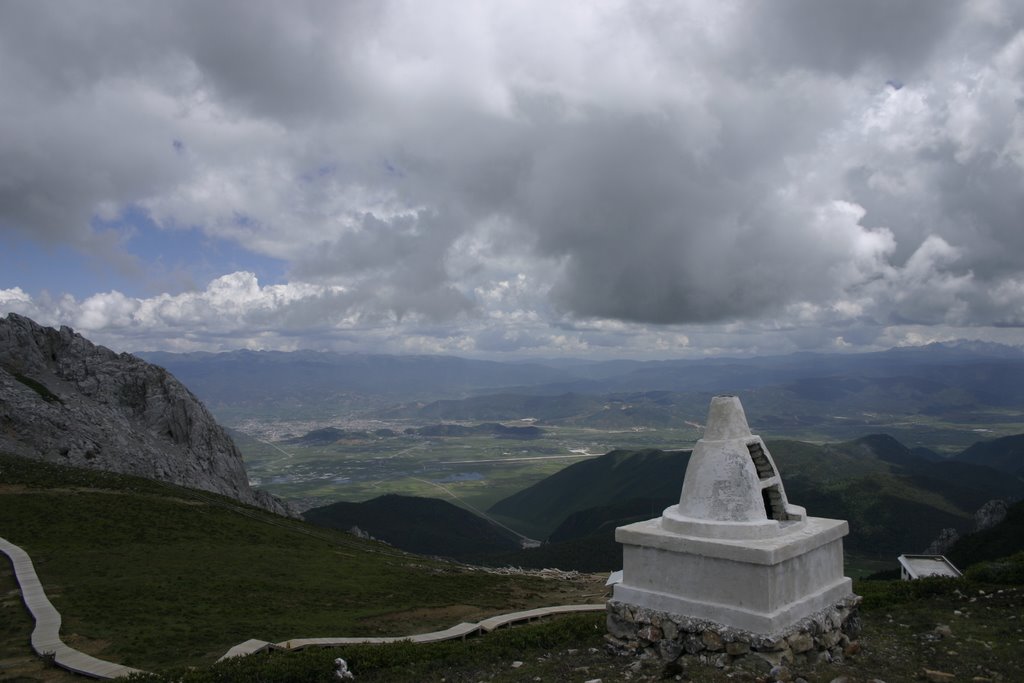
column 726, row 420
column 731, row 488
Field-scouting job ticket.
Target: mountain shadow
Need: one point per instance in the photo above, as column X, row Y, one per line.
column 1005, row 454
column 427, row 526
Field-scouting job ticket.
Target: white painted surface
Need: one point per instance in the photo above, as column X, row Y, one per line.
column 726, row 419
column 761, row 589
column 920, row 566
column 814, row 532
column 734, row 551
column 721, row 484
column 728, row 479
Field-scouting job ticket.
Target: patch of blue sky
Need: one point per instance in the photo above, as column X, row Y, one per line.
column 152, row 260
column 189, row 253
column 57, row 269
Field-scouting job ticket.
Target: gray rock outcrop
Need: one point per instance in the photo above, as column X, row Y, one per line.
column 990, row 514
column 64, row 399
column 946, row 539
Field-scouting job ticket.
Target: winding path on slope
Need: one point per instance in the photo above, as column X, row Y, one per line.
column 458, row 631
column 46, row 634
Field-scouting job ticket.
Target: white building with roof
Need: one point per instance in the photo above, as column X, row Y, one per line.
column 919, row 566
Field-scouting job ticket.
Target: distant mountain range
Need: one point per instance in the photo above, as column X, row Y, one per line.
column 840, row 396
column 257, row 378
column 895, row 499
column 238, row 375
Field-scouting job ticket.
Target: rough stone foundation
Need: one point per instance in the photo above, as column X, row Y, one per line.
column 827, row 635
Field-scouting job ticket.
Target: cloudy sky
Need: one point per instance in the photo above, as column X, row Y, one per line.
column 506, row 179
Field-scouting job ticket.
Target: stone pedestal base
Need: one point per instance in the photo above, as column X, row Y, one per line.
column 822, row 636
column 760, row 585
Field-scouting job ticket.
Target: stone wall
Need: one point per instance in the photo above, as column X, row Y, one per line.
column 828, row 635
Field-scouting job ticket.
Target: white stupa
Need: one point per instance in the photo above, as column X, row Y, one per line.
column 734, row 551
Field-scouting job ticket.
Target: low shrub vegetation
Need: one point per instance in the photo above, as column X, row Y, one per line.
column 404, row 661
column 154, row 576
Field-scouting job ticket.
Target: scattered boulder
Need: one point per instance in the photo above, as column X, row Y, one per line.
column 341, row 670
column 938, row 676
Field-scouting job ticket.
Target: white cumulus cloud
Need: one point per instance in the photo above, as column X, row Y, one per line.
column 523, row 177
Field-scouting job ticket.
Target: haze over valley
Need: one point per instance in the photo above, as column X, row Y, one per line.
column 326, row 427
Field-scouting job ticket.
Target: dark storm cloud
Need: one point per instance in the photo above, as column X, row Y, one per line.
column 844, row 37
column 75, row 135
column 506, row 166
column 290, row 62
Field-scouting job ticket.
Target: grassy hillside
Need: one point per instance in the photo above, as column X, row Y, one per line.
column 615, row 476
column 152, row 575
column 895, row 500
column 965, row 630
column 157, row 576
column 595, row 553
column 1002, row 540
column 420, row 525
column 1006, row 454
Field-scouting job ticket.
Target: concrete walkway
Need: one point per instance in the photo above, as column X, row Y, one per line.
column 46, row 634
column 459, row 631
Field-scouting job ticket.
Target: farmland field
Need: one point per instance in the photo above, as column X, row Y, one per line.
column 473, row 471
column 375, row 457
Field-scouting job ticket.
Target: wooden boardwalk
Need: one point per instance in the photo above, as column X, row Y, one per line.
column 46, row 634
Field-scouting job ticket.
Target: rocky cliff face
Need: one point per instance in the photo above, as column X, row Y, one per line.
column 66, row 400
column 990, row 514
